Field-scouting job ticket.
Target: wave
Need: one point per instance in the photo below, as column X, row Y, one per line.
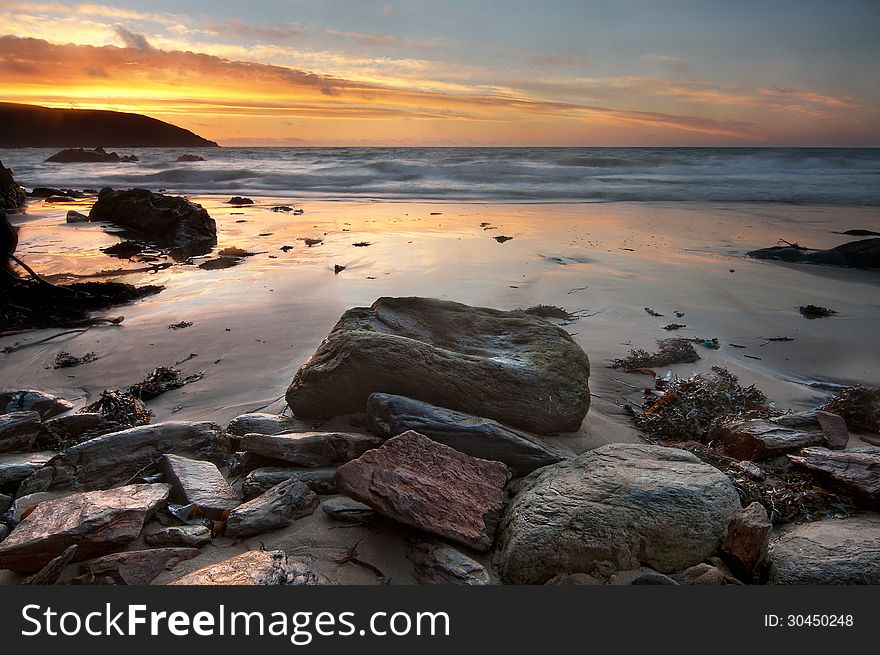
column 842, row 176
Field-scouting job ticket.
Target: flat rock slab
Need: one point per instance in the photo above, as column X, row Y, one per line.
column 831, row 551
column 18, row 431
column 45, row 404
column 192, row 536
column 390, row 415
column 17, row 467
column 424, row 484
column 757, row 439
column 199, row 483
column 98, row 522
column 855, row 472
column 612, row 509
column 115, row 458
column 509, row 366
column 278, row 507
column 255, row 567
column 311, row 449
column 320, row 480
column 134, row 567
column 260, row 423
column 440, row 564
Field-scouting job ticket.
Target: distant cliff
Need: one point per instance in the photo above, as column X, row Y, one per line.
column 30, row 126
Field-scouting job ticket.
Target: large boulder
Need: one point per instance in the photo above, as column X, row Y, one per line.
column 854, row 254
column 12, row 195
column 168, row 220
column 424, row 484
column 97, row 522
column 115, row 458
column 831, row 551
column 509, row 366
column 390, row 415
column 255, row 567
column 855, row 472
column 615, row 508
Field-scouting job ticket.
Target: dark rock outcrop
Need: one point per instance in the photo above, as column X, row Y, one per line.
column 509, row 366
column 169, row 220
column 82, row 156
column 45, row 404
column 391, row 415
column 12, row 195
column 855, row 254
column 189, row 158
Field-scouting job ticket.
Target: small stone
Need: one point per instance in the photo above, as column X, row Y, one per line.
column 834, row 429
column 320, row 480
column 277, row 508
column 439, row 564
column 701, row 574
column 260, row 423
column 18, row 431
column 201, row 484
column 748, row 535
column 347, row 510
column 193, row 536
column 76, row 217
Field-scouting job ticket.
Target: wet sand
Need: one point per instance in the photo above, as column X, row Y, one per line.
column 255, row 323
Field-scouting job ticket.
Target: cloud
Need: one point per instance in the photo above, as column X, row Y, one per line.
column 132, row 40
column 672, row 63
column 806, row 95
column 241, row 29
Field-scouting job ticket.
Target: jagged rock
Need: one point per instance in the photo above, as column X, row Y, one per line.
column 193, row 536
column 509, row 366
column 758, row 439
column 134, row 567
column 167, row 219
column 199, row 483
column 391, row 415
column 46, row 405
column 311, row 449
column 864, row 253
column 18, row 431
column 65, row 431
column 98, row 522
column 701, row 574
column 834, row 429
column 347, row 510
column 831, row 551
column 50, row 573
column 805, row 419
column 239, row 200
column 255, row 567
column 98, row 155
column 320, row 480
column 23, row 504
column 748, row 536
column 5, row 503
column 855, row 472
column 189, row 158
column 613, row 509
column 259, row 423
column 115, row 458
column 439, row 564
column 17, row 467
column 278, row 507
column 76, row 217
column 4, row 531
column 429, row 486
column 12, row 196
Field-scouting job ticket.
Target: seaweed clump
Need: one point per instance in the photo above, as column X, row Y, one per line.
column 550, row 311
column 120, row 407
column 671, row 351
column 162, row 379
column 859, row 406
column 65, row 360
column 696, row 407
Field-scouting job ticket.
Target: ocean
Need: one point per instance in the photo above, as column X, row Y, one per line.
column 823, row 176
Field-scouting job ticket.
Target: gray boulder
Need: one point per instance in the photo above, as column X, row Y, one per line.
column 440, row 564
column 311, row 449
column 391, row 415
column 18, row 431
column 509, row 366
column 45, row 404
column 615, row 508
column 278, row 507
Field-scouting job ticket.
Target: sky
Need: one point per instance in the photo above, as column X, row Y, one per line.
column 460, row 72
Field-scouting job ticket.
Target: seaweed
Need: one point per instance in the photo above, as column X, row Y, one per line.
column 65, row 360
column 671, row 351
column 120, row 407
column 859, row 406
column 816, row 311
column 550, row 311
column 162, row 379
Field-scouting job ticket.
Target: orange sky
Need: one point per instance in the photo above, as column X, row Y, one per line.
column 249, row 90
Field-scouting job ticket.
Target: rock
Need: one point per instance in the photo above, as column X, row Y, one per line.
column 17, row 467
column 50, row 573
column 169, row 220
column 98, row 155
column 22, row 505
column 8, row 244
column 193, row 536
column 750, row 469
column 700, row 574
column 45, row 192
column 98, row 522
column 239, row 200
column 311, row 449
column 573, row 580
column 429, row 486
column 806, row 419
column 320, row 480
column 439, row 564
column 189, row 158
column 115, row 458
column 613, row 509
column 18, row 431
column 278, row 507
column 76, row 217
column 65, row 431
column 255, row 567
column 855, row 472
column 5, row 503
column 12, row 195
column 46, row 405
column 390, row 415
column 859, row 406
column 748, row 536
column 509, row 366
column 834, row 429
column 758, row 439
column 854, row 254
column 347, row 510
column 831, row 551
column 4, row 531
column 258, row 423
column 199, row 483
column 651, row 578
column 135, row 567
